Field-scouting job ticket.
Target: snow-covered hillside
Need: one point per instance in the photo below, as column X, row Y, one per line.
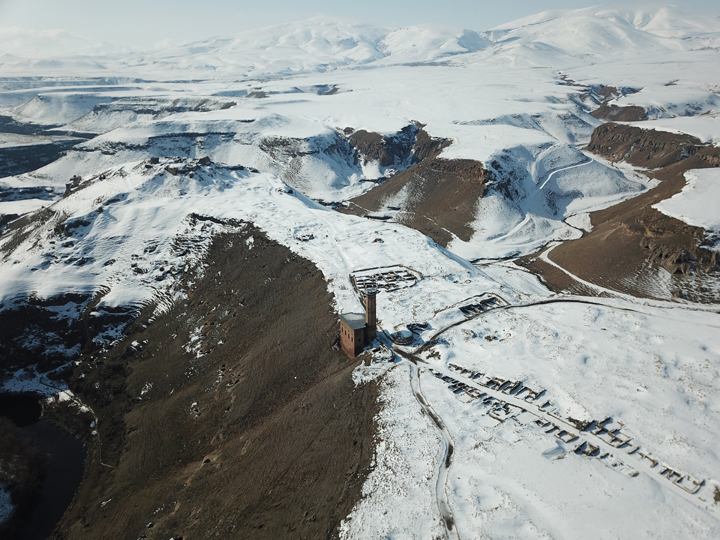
column 329, row 75
column 278, row 126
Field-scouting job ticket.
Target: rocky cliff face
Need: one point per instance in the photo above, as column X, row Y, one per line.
column 340, row 159
column 616, row 113
column 678, row 247
column 411, row 145
column 650, row 149
column 433, row 195
column 603, row 95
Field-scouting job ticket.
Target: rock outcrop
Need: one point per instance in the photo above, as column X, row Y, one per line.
column 646, row 148
column 616, row 113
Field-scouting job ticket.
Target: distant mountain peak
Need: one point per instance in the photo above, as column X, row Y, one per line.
column 325, row 43
column 612, row 29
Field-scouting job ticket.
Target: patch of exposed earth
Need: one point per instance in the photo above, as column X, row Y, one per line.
column 437, row 196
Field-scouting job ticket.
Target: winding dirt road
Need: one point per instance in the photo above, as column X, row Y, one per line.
column 445, row 459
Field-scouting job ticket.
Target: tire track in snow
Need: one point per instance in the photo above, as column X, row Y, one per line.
column 590, row 160
column 446, row 459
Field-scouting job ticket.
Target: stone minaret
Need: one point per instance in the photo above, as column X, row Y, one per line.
column 370, row 316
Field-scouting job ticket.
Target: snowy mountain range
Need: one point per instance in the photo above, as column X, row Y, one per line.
column 325, row 43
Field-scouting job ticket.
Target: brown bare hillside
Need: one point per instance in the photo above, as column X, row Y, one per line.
column 616, row 113
column 437, row 197
column 412, row 142
column 647, row 148
column 231, row 416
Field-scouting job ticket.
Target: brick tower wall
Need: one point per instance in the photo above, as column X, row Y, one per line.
column 370, row 316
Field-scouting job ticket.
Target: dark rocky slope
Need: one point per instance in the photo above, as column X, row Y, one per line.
column 438, row 197
column 603, row 95
column 617, row 113
column 252, row 430
column 409, row 146
column 229, row 416
column 646, row 148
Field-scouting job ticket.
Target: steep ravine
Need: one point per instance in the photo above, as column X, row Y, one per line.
column 631, row 241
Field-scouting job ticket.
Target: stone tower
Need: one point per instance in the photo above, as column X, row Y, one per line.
column 370, row 316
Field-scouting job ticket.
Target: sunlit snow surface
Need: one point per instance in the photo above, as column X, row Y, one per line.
column 697, row 203
column 516, row 98
column 403, row 470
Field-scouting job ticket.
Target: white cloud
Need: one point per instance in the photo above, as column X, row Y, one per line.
column 164, row 44
column 50, row 43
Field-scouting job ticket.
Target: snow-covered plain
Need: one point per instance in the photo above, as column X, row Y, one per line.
column 529, row 86
column 697, row 203
column 705, row 127
column 517, row 98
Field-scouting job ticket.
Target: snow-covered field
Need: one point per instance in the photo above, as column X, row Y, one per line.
column 269, row 108
column 403, row 473
column 697, row 203
column 521, row 467
column 705, row 127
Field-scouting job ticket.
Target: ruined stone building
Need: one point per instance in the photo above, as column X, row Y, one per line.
column 358, row 330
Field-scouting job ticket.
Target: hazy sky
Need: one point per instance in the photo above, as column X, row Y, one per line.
column 146, row 23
